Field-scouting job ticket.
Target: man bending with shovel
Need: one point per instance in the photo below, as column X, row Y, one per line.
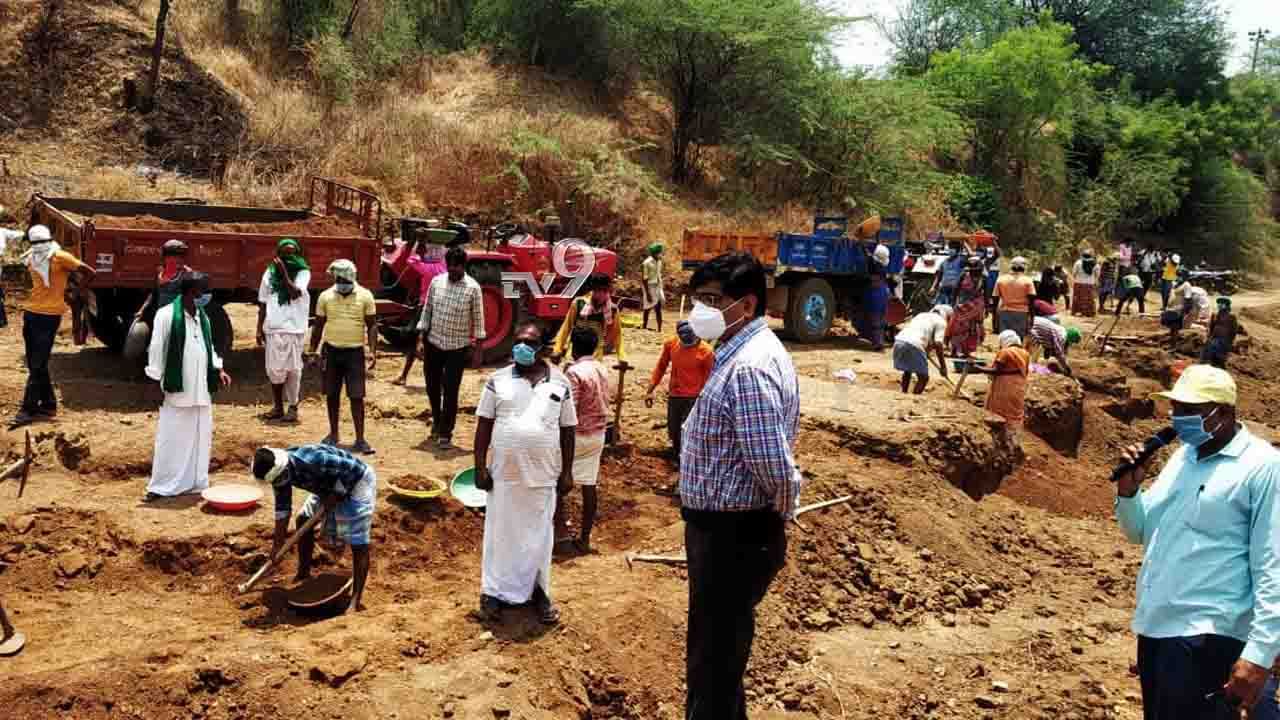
column 341, row 486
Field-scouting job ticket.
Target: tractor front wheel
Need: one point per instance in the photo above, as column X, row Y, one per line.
column 811, row 310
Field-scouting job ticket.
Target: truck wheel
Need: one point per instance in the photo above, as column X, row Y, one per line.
column 111, row 323
column 811, row 310
column 220, row 327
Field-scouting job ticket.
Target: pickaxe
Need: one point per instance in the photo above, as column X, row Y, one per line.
column 22, row 466
column 631, row 558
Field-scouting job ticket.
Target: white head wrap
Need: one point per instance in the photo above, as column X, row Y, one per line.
column 881, row 255
column 943, row 310
column 343, row 270
column 277, row 468
column 1009, row 337
column 43, row 248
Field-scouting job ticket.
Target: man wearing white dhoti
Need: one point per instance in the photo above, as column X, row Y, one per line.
column 526, row 416
column 182, row 359
column 284, row 308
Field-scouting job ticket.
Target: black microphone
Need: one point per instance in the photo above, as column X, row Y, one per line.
column 1154, row 443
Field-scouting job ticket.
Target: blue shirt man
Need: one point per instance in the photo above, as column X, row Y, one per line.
column 1208, row 614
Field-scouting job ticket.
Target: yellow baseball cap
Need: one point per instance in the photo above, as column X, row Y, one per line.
column 1200, row 384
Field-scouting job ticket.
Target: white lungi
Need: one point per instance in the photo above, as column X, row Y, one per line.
column 654, row 295
column 519, row 536
column 284, row 363
column 587, row 451
column 184, row 436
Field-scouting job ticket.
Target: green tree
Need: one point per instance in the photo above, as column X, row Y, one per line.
column 565, row 36
column 1021, row 95
column 727, row 67
column 1164, row 46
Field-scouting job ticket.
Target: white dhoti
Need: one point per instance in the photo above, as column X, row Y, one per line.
column 184, row 436
column 654, row 295
column 284, row 363
column 587, row 451
column 519, row 535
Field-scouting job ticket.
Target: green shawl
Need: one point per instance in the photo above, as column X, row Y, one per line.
column 177, row 348
column 293, row 265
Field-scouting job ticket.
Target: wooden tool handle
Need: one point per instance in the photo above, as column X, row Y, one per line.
column 284, row 549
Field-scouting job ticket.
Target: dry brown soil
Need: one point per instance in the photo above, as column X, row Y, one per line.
column 914, row 600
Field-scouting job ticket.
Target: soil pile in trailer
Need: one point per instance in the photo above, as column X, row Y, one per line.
column 311, row 227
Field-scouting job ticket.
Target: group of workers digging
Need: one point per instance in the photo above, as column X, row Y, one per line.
column 1206, row 640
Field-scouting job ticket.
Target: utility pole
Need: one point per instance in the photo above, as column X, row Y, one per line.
column 1258, row 37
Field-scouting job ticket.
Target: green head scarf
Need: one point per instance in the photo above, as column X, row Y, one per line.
column 1073, row 336
column 293, row 265
column 655, row 248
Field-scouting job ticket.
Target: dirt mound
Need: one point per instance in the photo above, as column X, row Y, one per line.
column 972, row 452
column 1055, row 411
column 314, row 227
column 63, row 72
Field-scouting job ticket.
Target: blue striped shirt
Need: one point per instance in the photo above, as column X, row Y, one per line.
column 320, row 470
column 737, row 445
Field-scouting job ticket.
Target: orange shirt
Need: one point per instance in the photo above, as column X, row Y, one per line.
column 1014, row 292
column 49, row 299
column 690, row 367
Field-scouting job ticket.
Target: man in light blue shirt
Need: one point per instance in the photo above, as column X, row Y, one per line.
column 1208, row 615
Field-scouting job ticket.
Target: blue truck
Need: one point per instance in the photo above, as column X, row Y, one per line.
column 813, row 278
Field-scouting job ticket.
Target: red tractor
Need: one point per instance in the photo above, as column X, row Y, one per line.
column 523, row 278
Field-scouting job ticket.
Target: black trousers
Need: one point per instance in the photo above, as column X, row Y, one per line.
column 1181, row 678
column 443, row 372
column 733, row 558
column 38, row 334
column 4, row 317
column 678, row 410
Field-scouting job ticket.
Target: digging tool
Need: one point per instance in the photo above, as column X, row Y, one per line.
column 633, row 558
column 22, row 466
column 964, row 375
column 1102, row 348
column 284, row 550
column 941, row 371
column 622, row 368
column 817, row 506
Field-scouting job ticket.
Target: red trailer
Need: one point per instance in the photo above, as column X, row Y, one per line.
column 233, row 245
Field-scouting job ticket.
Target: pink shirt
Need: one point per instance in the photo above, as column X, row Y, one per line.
column 590, row 383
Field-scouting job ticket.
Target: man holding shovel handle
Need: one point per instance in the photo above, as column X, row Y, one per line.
column 343, row 489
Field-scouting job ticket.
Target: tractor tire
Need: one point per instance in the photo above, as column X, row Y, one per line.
column 501, row 318
column 220, row 327
column 811, row 310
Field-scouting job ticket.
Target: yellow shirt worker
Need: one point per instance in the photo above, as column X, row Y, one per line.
column 346, row 314
column 51, row 268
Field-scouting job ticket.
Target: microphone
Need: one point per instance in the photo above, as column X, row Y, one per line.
column 1154, row 443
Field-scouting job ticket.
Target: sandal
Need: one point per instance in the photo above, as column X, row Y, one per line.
column 490, row 609
column 273, row 414
column 290, row 415
column 549, row 614
column 329, row 440
column 363, row 447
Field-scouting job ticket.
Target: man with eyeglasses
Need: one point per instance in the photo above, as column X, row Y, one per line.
column 738, row 479
column 1208, row 614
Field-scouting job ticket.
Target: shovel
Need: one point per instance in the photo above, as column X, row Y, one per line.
column 284, row 550
column 22, row 466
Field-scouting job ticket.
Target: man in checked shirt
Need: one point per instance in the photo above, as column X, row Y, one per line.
column 738, row 480
column 452, row 328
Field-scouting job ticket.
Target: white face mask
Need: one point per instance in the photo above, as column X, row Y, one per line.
column 708, row 322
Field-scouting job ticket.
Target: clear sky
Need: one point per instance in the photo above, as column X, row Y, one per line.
column 864, row 45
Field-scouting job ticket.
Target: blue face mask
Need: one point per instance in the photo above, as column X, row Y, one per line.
column 524, row 354
column 345, row 288
column 203, row 300
column 1190, row 429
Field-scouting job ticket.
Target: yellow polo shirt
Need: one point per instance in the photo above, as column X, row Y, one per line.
column 49, row 299
column 344, row 315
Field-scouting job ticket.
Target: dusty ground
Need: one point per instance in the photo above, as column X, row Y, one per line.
column 913, row 601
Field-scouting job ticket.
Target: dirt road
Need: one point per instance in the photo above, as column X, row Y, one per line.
column 913, row 601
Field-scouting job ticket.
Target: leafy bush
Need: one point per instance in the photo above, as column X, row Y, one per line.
column 974, row 202
column 333, row 69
